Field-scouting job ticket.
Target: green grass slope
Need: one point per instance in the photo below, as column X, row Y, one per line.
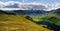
column 18, row 23
column 51, row 18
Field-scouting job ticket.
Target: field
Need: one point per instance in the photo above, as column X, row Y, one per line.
column 18, row 23
column 47, row 18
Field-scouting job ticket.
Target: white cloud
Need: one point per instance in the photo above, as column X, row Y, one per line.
column 53, row 6
column 32, row 5
column 11, row 4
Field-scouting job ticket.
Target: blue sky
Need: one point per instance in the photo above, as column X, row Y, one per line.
column 10, row 0
column 43, row 1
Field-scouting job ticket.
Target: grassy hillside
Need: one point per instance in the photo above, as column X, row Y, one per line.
column 51, row 18
column 18, row 23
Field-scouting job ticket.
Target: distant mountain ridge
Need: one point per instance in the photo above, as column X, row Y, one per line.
column 56, row 11
column 28, row 11
column 4, row 12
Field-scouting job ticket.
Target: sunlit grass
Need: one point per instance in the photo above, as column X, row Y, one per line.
column 18, row 23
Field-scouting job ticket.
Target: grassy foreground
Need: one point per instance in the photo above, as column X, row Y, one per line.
column 18, row 23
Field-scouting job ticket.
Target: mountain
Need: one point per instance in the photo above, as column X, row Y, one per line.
column 16, row 11
column 10, row 22
column 4, row 12
column 56, row 11
column 28, row 12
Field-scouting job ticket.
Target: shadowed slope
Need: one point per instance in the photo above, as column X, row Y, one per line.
column 4, row 12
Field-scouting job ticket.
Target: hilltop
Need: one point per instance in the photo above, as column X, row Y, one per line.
column 10, row 22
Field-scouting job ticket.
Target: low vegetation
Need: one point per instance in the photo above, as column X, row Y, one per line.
column 18, row 23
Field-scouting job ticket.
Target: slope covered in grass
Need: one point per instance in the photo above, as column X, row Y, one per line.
column 51, row 18
column 18, row 23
